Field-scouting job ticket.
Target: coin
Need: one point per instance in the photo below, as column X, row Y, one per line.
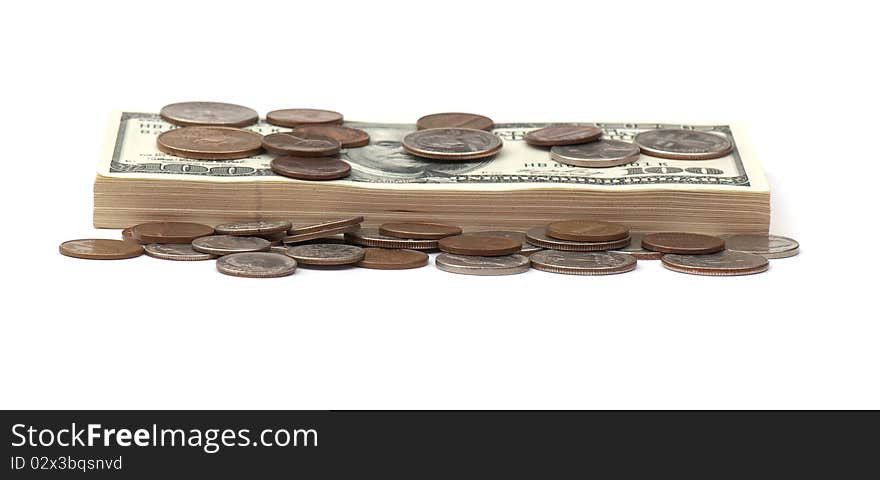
column 256, row 265
column 635, row 249
column 326, row 224
column 255, row 227
column 767, row 246
column 169, row 232
column 396, row 259
column 326, row 254
column 483, row 245
column 126, row 235
column 294, row 117
column 477, row 265
column 228, row 244
column 418, row 230
column 310, row 168
column 329, row 232
column 452, row 143
column 370, row 237
column 683, row 243
column 683, row 144
column 602, row 153
column 562, row 135
column 176, row 251
column 726, row 263
column 527, row 248
column 538, row 236
column 347, row 136
column 215, row 114
column 100, row 249
column 583, row 263
column 582, row 230
column 289, row 143
column 210, row 143
column 455, row 120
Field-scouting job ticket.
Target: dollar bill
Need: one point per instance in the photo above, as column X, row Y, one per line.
column 131, row 153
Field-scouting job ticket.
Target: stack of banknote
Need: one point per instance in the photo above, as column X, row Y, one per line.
column 518, row 188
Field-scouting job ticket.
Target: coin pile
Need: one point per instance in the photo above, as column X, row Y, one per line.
column 273, row 248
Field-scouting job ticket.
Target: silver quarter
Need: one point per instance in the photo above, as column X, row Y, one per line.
column 318, row 234
column 176, row 251
column 326, row 254
column 229, row 244
column 683, row 144
column 527, row 248
column 724, row 263
column 602, row 153
column 537, row 236
column 476, row 265
column 370, row 237
column 256, row 265
column 326, row 224
column 215, row 114
column 635, row 249
column 452, row 143
column 583, row 263
column 256, row 227
column 767, row 246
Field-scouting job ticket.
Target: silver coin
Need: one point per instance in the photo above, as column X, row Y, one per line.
column 326, row 224
column 767, row 246
column 256, row 265
column 583, row 263
column 635, row 248
column 724, row 263
column 326, row 254
column 476, row 265
column 256, row 227
column 228, row 244
column 452, row 143
column 527, row 248
column 537, row 236
column 602, row 153
column 318, row 234
column 370, row 237
column 683, row 144
column 279, row 249
column 209, row 114
column 176, row 251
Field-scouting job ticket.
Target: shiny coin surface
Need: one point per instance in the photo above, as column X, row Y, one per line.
column 682, row 144
column 214, row 114
column 294, row 117
column 255, row 227
column 563, row 135
column 285, row 143
column 176, row 251
column 683, row 243
column 210, row 143
column 726, row 263
column 256, row 265
column 100, row 249
column 767, row 246
column 370, row 237
column 228, row 244
column 310, row 168
column 452, row 143
column 326, row 224
column 482, row 245
column 538, row 236
column 348, row 137
column 583, row 263
column 455, row 120
column 418, row 230
column 527, row 248
column 170, row 232
column 392, row 259
column 582, row 230
column 635, row 249
column 603, row 153
column 316, row 234
column 476, row 265
column 326, row 254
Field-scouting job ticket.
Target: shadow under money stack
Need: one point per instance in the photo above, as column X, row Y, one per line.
column 214, row 163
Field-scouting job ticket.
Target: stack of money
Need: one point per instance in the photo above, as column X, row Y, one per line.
column 516, row 187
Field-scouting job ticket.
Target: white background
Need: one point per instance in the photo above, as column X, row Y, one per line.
column 145, row 333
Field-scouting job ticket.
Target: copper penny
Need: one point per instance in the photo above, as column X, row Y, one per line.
column 726, row 263
column 635, row 250
column 455, row 120
column 482, row 245
column 683, row 243
column 587, row 231
column 370, row 237
column 215, row 114
column 418, row 230
column 563, row 135
column 210, row 143
column 170, row 232
column 326, row 224
column 256, row 265
column 289, row 143
column 255, row 227
column 294, row 117
column 538, row 236
column 527, row 248
column 229, row 244
column 310, row 168
column 100, row 249
column 388, row 259
column 452, row 144
column 347, row 136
